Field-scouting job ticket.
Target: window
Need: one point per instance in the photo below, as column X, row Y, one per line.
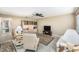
column 5, row 25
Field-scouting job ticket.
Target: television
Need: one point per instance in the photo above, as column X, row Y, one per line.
column 47, row 28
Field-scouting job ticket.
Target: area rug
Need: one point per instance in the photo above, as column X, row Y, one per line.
column 7, row 47
column 45, row 39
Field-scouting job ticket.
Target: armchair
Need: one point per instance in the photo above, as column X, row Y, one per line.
column 30, row 41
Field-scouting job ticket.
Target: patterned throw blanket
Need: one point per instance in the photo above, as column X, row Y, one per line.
column 7, row 47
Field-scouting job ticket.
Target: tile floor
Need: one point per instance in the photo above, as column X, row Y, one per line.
column 51, row 47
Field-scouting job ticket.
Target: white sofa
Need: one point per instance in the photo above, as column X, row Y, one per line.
column 69, row 39
column 30, row 41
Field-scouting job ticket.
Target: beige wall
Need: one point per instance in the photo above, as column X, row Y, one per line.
column 59, row 24
column 15, row 20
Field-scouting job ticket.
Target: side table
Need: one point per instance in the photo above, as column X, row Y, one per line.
column 18, row 47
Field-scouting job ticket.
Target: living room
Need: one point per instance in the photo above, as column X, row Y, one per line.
column 36, row 29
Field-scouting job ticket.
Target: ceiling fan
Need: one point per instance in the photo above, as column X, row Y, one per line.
column 38, row 14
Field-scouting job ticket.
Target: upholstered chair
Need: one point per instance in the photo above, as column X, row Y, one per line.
column 30, row 41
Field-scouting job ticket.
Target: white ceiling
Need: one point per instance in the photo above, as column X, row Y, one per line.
column 28, row 11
